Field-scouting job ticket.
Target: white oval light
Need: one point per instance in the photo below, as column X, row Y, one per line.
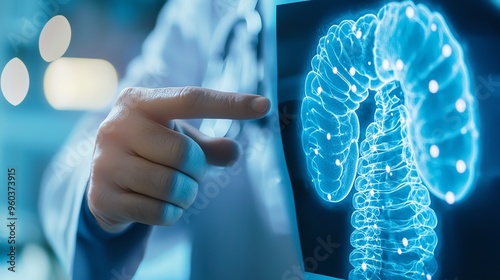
column 433, row 86
column 15, row 81
column 80, row 83
column 54, row 38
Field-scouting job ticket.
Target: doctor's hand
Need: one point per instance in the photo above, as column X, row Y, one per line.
column 146, row 167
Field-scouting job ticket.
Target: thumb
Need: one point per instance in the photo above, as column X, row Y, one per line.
column 218, row 151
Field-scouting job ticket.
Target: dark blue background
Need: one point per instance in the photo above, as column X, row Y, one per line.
column 469, row 231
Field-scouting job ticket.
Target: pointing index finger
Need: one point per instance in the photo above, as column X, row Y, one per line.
column 194, row 102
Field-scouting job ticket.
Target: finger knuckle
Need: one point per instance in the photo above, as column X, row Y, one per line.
column 115, row 124
column 167, row 183
column 157, row 137
column 198, row 160
column 100, row 166
column 167, row 180
column 96, row 199
column 231, row 102
column 170, row 214
column 191, row 96
column 137, row 212
column 184, row 189
column 129, row 97
column 106, row 129
column 190, row 191
column 179, row 149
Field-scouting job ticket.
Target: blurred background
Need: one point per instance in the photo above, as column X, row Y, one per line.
column 97, row 37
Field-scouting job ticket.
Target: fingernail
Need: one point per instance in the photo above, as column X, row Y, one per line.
column 260, row 104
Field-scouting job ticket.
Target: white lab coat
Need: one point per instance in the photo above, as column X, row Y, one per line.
column 241, row 226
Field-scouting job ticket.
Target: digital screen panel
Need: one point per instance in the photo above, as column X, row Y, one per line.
column 387, row 153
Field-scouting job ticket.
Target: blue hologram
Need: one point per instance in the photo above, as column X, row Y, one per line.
column 416, row 48
column 393, row 224
column 425, row 110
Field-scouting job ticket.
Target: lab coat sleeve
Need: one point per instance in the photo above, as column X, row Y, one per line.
column 174, row 54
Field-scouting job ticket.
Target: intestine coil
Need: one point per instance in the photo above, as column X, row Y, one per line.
column 424, row 111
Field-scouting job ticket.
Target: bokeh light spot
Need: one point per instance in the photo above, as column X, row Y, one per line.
column 55, row 38
column 80, row 83
column 15, row 81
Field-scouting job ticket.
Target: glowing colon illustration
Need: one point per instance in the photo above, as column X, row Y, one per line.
column 423, row 136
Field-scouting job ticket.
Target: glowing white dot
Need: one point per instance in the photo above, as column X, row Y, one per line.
column 316, row 151
column 474, row 133
column 402, row 120
column 374, row 148
column 369, row 63
column 337, row 162
column 54, row 38
column 328, row 136
column 450, row 197
column 372, row 192
column 354, row 88
column 434, row 151
column 433, row 86
column 363, row 266
column 375, row 226
column 410, row 12
column 387, row 169
column 405, row 242
column 460, row 165
column 374, row 136
column 335, row 70
column 15, row 81
column 329, row 196
column 463, row 130
column 385, row 64
column 353, row 28
column 433, row 27
column 390, row 174
column 399, row 65
column 460, row 105
column 429, row 277
column 358, row 34
column 352, row 71
column 320, row 90
column 446, row 50
column 400, row 251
